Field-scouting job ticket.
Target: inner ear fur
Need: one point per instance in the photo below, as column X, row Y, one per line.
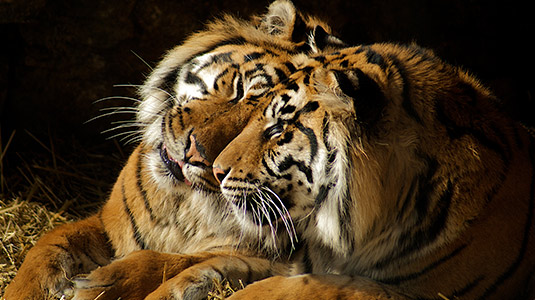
column 284, row 21
column 281, row 19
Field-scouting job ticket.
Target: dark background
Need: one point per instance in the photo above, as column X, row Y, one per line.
column 57, row 57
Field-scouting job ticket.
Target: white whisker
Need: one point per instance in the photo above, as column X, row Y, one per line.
column 173, row 97
column 117, row 98
column 261, row 204
column 285, row 216
column 142, row 60
column 125, row 125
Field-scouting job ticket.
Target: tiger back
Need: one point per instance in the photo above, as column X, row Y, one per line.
column 401, row 177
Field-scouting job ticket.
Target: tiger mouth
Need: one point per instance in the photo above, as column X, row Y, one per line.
column 171, row 164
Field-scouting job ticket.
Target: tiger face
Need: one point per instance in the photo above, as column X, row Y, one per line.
column 214, row 96
column 203, row 92
column 284, row 163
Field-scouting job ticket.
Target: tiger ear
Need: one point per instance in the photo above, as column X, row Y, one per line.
column 320, row 40
column 366, row 95
column 284, row 21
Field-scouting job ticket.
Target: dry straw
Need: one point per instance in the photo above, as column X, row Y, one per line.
column 49, row 183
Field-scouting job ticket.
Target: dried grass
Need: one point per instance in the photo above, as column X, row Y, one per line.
column 46, row 182
column 52, row 182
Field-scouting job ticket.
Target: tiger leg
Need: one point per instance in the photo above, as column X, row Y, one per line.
column 68, row 250
column 325, row 287
column 196, row 281
column 163, row 274
column 134, row 276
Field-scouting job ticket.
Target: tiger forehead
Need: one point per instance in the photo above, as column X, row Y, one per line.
column 342, row 60
column 351, row 57
column 232, row 54
column 287, row 99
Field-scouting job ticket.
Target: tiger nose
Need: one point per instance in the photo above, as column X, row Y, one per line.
column 220, row 174
column 195, row 154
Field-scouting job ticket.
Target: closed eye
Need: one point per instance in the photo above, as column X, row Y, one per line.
column 273, row 131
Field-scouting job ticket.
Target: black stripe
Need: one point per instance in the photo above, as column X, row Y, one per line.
column 527, row 234
column 240, row 188
column 218, row 77
column 331, row 154
column 288, row 162
column 281, row 75
column 207, row 182
column 258, row 67
column 287, row 138
column 455, row 294
column 180, row 118
column 375, row 58
column 167, row 123
column 426, row 231
column 407, row 203
column 467, row 288
column 287, row 109
column 368, row 98
column 400, row 279
column 217, row 59
column 105, row 233
column 309, row 133
column 292, row 85
column 322, row 194
column 137, row 235
column 430, row 233
column 426, row 188
column 192, row 78
column 456, row 131
column 171, row 77
column 253, row 56
column 290, row 67
column 169, row 81
column 273, row 130
column 249, row 275
column 268, row 169
column 309, row 107
column 142, row 191
column 406, row 93
column 239, row 89
column 307, row 262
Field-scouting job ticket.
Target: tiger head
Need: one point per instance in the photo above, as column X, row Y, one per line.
column 201, row 94
column 372, row 141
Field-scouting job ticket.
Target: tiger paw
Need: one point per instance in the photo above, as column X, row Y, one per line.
column 110, row 283
column 132, row 277
column 58, row 287
column 192, row 284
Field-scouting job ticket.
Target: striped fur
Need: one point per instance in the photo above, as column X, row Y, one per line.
column 398, row 174
column 165, row 213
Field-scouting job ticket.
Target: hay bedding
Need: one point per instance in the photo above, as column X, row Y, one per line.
column 49, row 182
column 46, row 182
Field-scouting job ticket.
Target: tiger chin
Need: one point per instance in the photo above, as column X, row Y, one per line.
column 165, row 226
column 399, row 174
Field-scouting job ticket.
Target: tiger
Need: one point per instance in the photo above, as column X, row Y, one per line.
column 165, row 216
column 400, row 174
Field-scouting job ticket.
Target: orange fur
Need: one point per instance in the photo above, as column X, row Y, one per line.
column 165, row 214
column 401, row 176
